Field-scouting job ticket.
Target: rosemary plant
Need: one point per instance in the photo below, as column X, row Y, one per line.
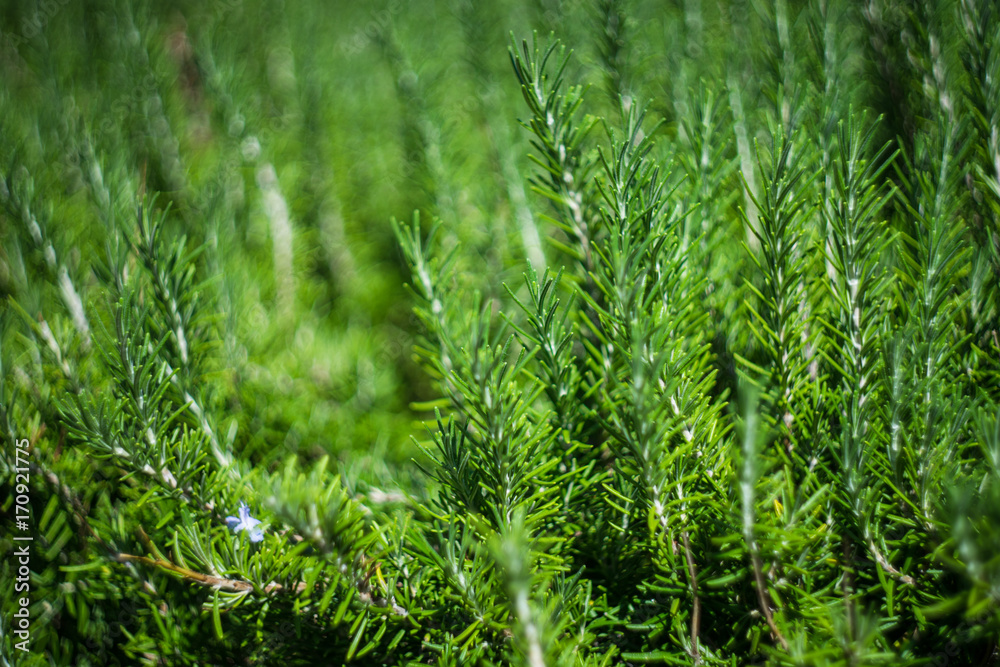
column 688, row 353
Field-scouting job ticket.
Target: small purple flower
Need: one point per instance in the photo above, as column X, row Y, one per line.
column 246, row 522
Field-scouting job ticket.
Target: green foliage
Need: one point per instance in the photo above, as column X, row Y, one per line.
column 698, row 362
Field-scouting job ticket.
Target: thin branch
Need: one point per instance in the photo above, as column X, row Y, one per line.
column 763, row 597
column 696, row 608
column 887, row 566
column 233, row 585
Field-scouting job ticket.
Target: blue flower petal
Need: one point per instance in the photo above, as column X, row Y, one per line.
column 246, row 522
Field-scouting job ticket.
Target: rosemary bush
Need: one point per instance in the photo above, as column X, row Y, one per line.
column 697, row 362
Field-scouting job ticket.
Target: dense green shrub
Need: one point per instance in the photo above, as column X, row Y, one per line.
column 702, row 367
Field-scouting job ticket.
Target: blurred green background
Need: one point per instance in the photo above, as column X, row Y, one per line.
column 285, row 136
